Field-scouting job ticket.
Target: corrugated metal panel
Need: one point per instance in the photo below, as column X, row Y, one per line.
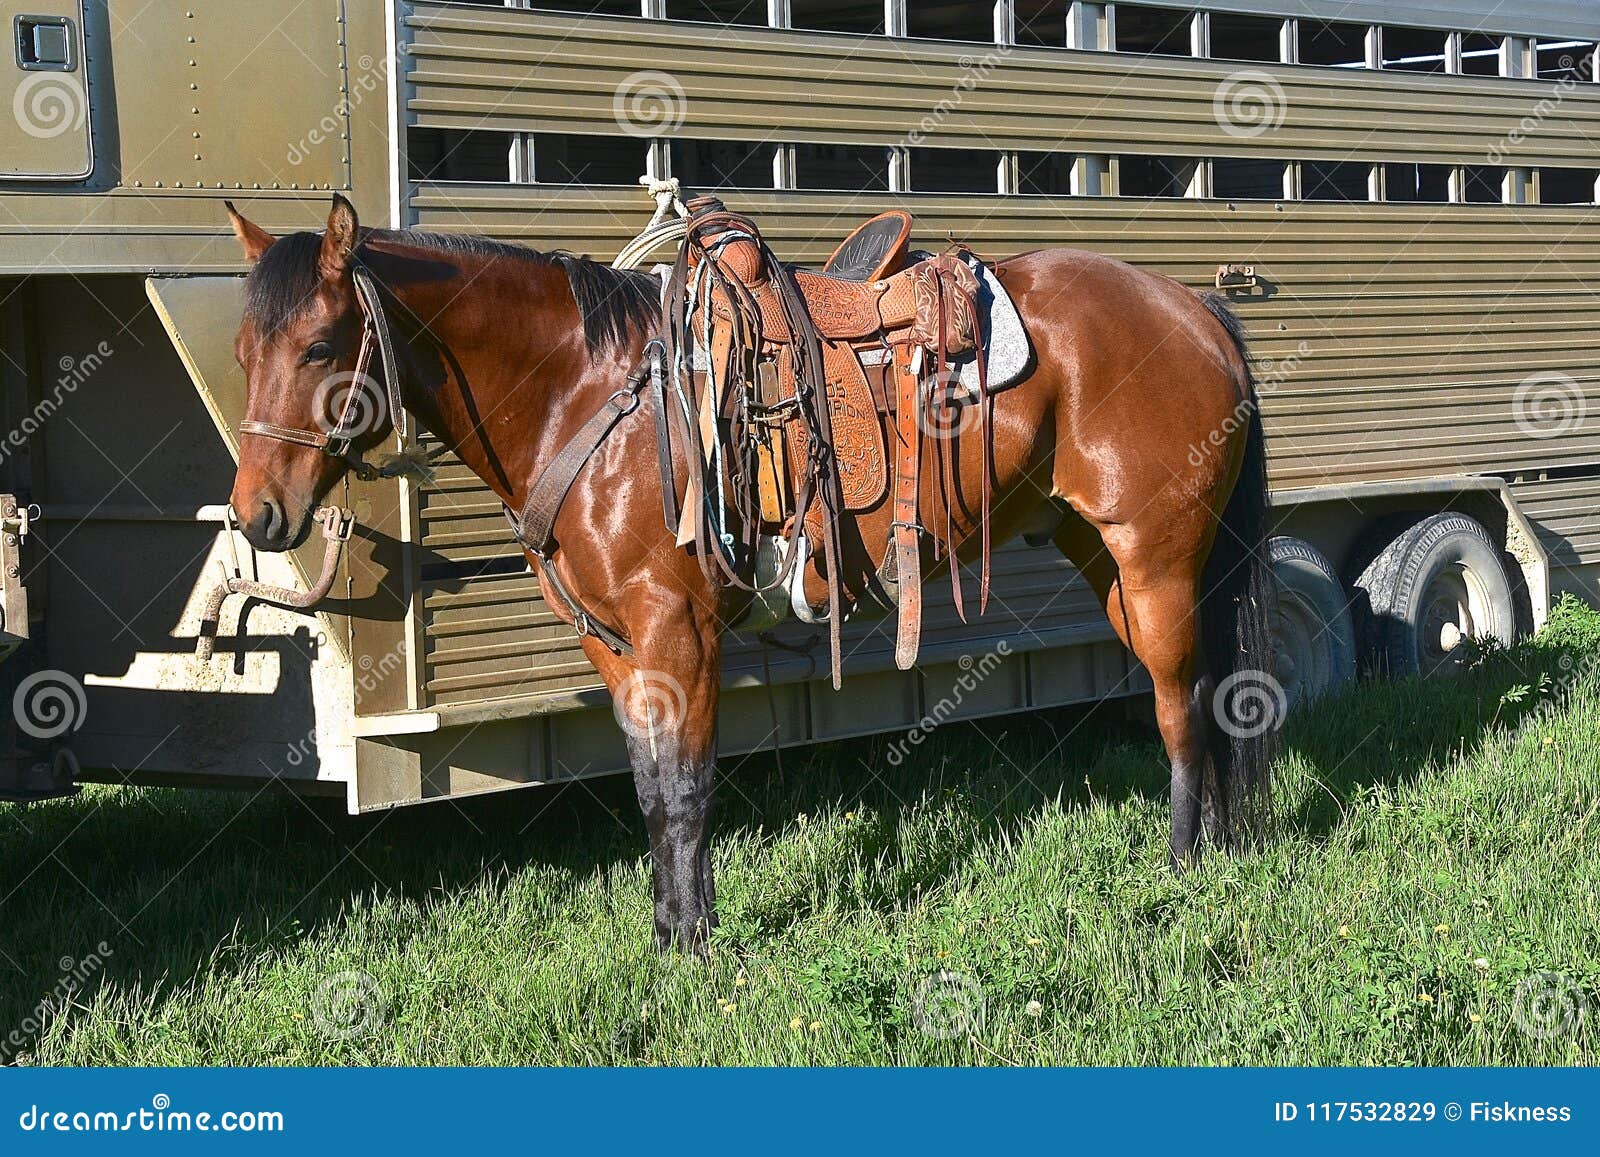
column 1566, row 514
column 520, row 70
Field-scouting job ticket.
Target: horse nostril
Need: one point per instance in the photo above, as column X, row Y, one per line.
column 272, row 525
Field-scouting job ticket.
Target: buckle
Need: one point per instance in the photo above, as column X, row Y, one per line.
column 625, row 401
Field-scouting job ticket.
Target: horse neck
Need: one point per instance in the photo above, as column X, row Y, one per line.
column 497, row 356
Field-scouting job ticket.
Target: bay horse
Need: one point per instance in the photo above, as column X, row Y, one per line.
column 1134, row 445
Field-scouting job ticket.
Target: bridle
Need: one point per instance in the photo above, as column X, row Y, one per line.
column 339, row 441
column 534, row 525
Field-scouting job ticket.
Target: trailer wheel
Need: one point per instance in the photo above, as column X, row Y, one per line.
column 1312, row 626
column 1438, row 583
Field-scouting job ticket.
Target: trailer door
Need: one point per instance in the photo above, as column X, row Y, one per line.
column 44, row 85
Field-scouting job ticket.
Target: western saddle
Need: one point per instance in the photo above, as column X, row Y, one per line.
column 791, row 387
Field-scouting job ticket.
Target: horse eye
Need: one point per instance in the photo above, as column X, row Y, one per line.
column 319, row 352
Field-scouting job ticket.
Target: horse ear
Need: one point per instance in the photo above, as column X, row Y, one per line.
column 339, row 242
column 253, row 237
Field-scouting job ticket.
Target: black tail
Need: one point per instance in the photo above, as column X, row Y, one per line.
column 1243, row 702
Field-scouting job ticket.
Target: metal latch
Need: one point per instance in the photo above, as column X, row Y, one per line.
column 45, row 44
column 15, row 523
column 17, row 520
column 1237, row 277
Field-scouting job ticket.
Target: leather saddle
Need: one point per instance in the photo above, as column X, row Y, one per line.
column 872, row 333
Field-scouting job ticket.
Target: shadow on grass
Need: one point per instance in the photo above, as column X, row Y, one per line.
column 1390, row 734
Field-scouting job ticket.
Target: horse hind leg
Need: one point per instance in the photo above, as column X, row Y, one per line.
column 1166, row 640
column 1154, row 609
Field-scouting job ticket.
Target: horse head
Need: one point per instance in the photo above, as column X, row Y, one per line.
column 310, row 408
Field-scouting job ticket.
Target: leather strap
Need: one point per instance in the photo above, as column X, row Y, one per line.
column 535, row 526
column 537, row 520
column 671, row 513
column 315, row 439
column 581, row 622
column 367, row 292
column 905, row 535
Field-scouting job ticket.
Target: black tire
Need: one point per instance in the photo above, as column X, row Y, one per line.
column 1315, row 635
column 1435, row 583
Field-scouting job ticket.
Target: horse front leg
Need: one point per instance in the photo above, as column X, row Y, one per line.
column 665, row 700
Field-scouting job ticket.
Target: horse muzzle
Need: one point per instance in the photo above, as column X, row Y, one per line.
column 271, row 528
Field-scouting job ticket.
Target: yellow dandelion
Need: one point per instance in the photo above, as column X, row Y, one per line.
column 740, row 981
column 816, row 1026
column 796, row 1023
column 1425, row 997
column 941, row 954
column 1442, row 929
column 1034, row 942
column 1475, row 1018
column 1344, row 932
column 729, row 1007
column 297, row 1016
column 1549, row 739
column 849, row 815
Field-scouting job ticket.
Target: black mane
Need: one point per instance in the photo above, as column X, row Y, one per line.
column 615, row 304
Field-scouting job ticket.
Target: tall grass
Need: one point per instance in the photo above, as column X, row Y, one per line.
column 1428, row 896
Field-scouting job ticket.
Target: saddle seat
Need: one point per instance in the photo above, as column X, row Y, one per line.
column 876, row 249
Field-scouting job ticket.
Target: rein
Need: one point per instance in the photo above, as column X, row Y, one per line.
column 338, row 442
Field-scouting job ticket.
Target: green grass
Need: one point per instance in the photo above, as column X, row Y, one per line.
column 1436, row 847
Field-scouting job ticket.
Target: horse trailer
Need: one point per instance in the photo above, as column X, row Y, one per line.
column 1398, row 198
